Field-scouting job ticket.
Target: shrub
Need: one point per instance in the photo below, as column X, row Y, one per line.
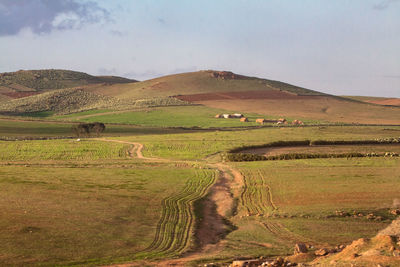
column 86, row 129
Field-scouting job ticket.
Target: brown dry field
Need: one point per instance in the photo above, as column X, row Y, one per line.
column 321, row 108
column 268, row 94
column 330, row 149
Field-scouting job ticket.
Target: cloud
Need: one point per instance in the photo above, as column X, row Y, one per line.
column 44, row 16
column 384, row 4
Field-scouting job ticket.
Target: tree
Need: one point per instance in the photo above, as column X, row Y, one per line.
column 85, row 129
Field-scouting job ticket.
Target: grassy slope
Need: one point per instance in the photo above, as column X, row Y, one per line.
column 376, row 100
column 304, row 202
column 43, row 219
column 38, row 80
column 34, row 129
column 185, row 116
column 325, row 108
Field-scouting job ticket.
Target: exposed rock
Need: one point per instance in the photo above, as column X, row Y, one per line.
column 300, row 248
column 393, row 229
column 395, row 211
column 321, row 252
column 246, row 263
column 226, row 75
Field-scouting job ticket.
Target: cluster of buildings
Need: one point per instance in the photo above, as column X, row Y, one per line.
column 260, row 121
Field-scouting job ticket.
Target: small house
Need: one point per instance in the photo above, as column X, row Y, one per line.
column 297, row 122
column 238, row 115
column 260, row 121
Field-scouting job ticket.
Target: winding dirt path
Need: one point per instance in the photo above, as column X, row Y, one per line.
column 135, row 149
column 217, row 206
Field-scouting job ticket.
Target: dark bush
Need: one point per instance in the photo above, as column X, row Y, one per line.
column 272, row 144
column 245, row 157
column 85, row 129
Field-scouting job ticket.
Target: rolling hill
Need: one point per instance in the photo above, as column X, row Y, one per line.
column 222, row 90
column 200, row 82
column 31, row 82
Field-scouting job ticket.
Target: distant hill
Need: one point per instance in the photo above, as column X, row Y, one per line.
column 30, row 82
column 222, row 90
column 208, row 81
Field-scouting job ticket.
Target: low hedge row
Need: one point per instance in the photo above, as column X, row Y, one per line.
column 316, row 143
column 253, row 157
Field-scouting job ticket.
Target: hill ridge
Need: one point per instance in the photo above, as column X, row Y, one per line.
column 27, row 82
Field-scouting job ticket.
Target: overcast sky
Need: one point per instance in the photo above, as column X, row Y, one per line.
column 345, row 47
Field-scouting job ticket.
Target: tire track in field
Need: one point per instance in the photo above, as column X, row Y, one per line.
column 284, row 235
column 269, row 192
column 256, row 196
column 177, row 218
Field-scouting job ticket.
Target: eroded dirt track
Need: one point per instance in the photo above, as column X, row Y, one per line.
column 216, row 207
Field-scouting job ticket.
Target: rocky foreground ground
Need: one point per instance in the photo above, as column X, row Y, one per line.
column 383, row 250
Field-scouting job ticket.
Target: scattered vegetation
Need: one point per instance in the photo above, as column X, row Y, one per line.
column 53, row 79
column 68, row 101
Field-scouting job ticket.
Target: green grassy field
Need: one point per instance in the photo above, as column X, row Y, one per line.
column 92, row 215
column 11, row 129
column 60, row 150
column 87, row 203
column 199, row 145
column 182, row 116
column 278, row 207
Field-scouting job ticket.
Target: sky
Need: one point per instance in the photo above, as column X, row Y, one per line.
column 342, row 47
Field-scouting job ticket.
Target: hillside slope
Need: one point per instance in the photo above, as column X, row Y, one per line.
column 385, row 101
column 198, row 82
column 30, row 82
column 216, row 89
column 72, row 100
column 229, row 91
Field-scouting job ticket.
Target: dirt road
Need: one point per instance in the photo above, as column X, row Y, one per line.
column 217, row 206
